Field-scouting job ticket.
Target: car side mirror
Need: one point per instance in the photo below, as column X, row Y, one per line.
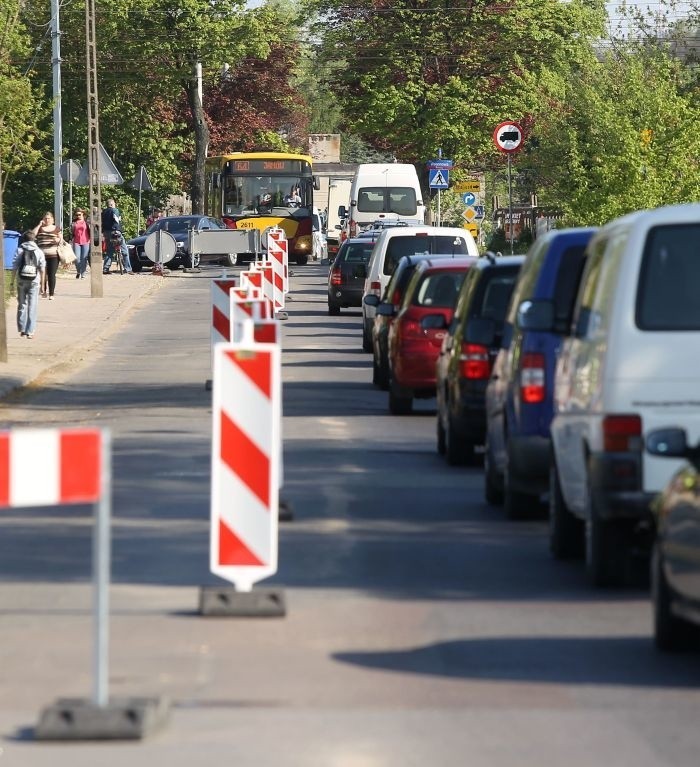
column 668, row 443
column 342, row 213
column 480, row 330
column 386, row 310
column 536, row 314
column 433, row 322
column 371, row 300
column 338, row 227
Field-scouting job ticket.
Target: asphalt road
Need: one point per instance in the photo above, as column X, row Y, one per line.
column 423, row 628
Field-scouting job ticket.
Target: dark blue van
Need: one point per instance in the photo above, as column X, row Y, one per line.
column 519, row 395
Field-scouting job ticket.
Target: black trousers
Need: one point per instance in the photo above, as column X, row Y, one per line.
column 51, row 269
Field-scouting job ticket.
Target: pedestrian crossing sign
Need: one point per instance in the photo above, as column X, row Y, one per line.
column 438, row 178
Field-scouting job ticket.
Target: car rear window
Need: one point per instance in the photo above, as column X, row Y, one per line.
column 493, row 296
column 421, row 245
column 390, row 199
column 356, row 252
column 566, row 285
column 667, row 292
column 438, row 289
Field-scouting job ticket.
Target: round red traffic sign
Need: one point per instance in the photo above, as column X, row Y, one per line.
column 508, row 136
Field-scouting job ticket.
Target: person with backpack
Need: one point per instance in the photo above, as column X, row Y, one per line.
column 28, row 269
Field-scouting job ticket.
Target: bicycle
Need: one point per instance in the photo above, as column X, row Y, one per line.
column 116, row 242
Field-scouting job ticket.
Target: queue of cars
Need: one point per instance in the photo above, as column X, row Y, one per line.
column 579, row 377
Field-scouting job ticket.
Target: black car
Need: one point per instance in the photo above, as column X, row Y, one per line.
column 467, row 354
column 675, row 568
column 346, row 277
column 383, row 317
column 178, row 227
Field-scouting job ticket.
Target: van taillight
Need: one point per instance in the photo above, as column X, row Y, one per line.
column 622, row 433
column 532, row 378
column 336, row 276
column 353, row 228
column 375, row 287
column 474, row 362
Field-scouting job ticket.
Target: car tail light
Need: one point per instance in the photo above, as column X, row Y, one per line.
column 622, row 433
column 353, row 228
column 474, row 362
column 532, row 378
column 410, row 330
column 375, row 287
column 336, row 276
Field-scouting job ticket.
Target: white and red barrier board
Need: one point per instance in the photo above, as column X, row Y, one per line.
column 48, row 467
column 245, row 462
column 220, row 307
column 278, row 252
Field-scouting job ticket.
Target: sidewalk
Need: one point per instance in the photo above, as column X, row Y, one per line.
column 70, row 326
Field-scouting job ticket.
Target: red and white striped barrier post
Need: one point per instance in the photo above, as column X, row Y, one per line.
column 245, row 477
column 220, row 314
column 75, row 469
column 253, row 278
column 276, row 252
column 246, row 309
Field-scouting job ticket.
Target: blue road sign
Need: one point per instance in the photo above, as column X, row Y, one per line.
column 479, row 209
column 438, row 178
column 469, row 198
column 440, row 163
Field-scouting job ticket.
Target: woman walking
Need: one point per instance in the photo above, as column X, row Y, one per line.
column 80, row 237
column 27, row 271
column 48, row 235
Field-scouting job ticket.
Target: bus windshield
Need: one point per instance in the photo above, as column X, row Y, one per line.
column 278, row 195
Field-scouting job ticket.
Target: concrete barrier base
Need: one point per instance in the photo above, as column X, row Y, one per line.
column 227, row 602
column 119, row 719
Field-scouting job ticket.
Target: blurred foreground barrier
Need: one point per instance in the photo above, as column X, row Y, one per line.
column 76, row 469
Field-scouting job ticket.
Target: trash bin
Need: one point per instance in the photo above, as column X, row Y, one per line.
column 10, row 241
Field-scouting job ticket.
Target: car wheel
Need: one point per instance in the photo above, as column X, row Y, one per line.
column 441, row 436
column 606, row 549
column 302, row 260
column 333, row 309
column 232, row 259
column 566, row 532
column 457, row 451
column 493, row 483
column 670, row 632
column 517, row 504
column 400, row 400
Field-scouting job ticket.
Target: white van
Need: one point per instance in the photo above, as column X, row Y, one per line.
column 398, row 241
column 383, row 191
column 631, row 365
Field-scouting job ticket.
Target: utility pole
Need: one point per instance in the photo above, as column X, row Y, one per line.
column 57, row 118
column 95, row 201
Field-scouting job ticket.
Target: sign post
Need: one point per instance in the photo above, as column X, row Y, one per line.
column 77, row 470
column 439, row 178
column 508, row 138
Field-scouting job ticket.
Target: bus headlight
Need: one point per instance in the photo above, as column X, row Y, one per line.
column 303, row 243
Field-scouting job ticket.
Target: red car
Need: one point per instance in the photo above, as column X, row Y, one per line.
column 415, row 336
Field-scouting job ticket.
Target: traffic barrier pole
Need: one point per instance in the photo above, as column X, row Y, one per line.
column 76, row 469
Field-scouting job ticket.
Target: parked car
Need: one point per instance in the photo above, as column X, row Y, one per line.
column 675, row 568
column 178, row 227
column 519, row 396
column 319, row 251
column 628, row 365
column 346, row 277
column 467, row 352
column 385, row 311
column 398, row 241
column 416, row 334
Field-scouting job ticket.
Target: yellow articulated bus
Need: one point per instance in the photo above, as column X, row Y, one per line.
column 259, row 190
